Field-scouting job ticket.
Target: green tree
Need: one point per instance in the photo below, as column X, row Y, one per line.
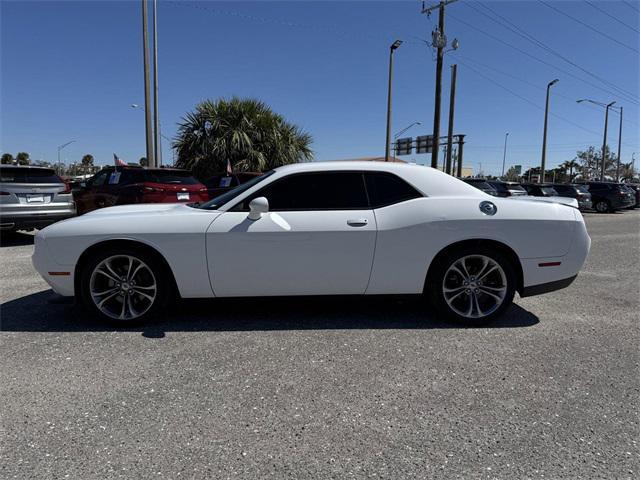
column 23, row 158
column 143, row 162
column 87, row 160
column 7, row 159
column 245, row 132
column 591, row 162
column 511, row 175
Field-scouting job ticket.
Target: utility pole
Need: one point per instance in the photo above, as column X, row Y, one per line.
column 460, row 152
column 504, row 154
column 394, row 46
column 156, row 115
column 440, row 42
column 619, row 147
column 544, row 134
column 452, row 104
column 604, row 141
column 147, row 102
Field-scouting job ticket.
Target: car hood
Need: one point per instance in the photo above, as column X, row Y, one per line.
column 571, row 202
column 145, row 208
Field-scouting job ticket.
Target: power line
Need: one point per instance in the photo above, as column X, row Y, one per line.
column 588, row 26
column 538, row 59
column 630, row 5
column 520, row 32
column 535, row 105
column 611, row 16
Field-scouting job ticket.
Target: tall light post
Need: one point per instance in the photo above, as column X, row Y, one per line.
column 394, row 46
column 504, row 154
column 61, row 147
column 604, row 139
column 147, row 99
column 156, row 114
column 544, row 134
column 619, row 148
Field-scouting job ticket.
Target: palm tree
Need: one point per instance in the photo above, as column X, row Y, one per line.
column 244, row 132
column 570, row 165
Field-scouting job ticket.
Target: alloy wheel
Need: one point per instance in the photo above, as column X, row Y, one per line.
column 123, row 287
column 474, row 286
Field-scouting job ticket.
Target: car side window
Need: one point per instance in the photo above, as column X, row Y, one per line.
column 99, row 179
column 313, row 191
column 387, row 189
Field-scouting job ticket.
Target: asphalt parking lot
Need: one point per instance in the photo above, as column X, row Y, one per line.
column 328, row 388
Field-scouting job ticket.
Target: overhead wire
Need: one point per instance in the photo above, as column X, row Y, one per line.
column 577, row 20
column 603, row 11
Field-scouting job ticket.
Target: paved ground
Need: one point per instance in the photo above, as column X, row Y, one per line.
column 328, row 388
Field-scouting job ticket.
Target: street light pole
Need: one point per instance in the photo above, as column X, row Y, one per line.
column 604, row 141
column 60, row 147
column 394, row 46
column 147, row 100
column 156, row 114
column 452, row 104
column 619, row 148
column 544, row 135
column 504, row 154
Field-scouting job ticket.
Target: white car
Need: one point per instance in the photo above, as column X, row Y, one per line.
column 321, row 228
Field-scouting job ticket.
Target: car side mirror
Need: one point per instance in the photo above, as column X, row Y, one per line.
column 257, row 207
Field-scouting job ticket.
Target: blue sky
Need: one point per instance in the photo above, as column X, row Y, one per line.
column 71, row 70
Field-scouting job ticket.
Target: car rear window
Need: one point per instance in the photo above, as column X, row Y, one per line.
column 515, row 187
column 549, row 190
column 169, row 176
column 387, row 189
column 29, row 175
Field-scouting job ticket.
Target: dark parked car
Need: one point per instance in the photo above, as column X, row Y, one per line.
column 609, row 196
column 481, row 184
column 221, row 182
column 631, row 192
column 579, row 192
column 540, row 190
column 32, row 197
column 636, row 190
column 125, row 185
column 507, row 189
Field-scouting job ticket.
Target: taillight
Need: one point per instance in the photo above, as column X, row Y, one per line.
column 67, row 188
column 148, row 189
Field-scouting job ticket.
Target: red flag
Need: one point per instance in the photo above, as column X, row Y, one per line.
column 229, row 169
column 118, row 161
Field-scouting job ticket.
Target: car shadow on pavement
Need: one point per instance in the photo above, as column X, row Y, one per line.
column 47, row 312
column 15, row 239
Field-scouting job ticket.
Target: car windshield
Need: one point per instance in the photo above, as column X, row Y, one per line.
column 549, row 191
column 516, row 187
column 28, row 175
column 170, row 176
column 221, row 200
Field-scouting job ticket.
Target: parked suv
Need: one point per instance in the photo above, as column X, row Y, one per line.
column 481, row 184
column 636, row 191
column 632, row 193
column 126, row 185
column 507, row 189
column 579, row 192
column 32, row 197
column 540, row 190
column 609, row 197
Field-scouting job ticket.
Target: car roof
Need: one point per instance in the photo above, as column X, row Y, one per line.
column 145, row 169
column 26, row 167
column 428, row 180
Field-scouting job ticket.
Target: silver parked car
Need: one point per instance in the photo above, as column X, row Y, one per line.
column 32, row 197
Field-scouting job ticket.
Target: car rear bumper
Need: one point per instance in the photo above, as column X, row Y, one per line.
column 28, row 221
column 547, row 287
column 60, row 278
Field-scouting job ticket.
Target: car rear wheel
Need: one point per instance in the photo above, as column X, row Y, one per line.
column 473, row 286
column 602, row 206
column 125, row 287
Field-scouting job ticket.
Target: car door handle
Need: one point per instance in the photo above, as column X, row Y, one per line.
column 357, row 222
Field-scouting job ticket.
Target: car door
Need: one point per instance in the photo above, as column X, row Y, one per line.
column 318, row 238
column 86, row 198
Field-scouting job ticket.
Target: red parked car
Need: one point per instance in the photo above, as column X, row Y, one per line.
column 222, row 182
column 125, row 185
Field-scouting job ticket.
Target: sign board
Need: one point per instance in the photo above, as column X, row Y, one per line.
column 424, row 144
column 403, row 146
column 518, row 169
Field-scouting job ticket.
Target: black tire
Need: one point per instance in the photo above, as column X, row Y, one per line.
column 602, row 206
column 473, row 254
column 149, row 309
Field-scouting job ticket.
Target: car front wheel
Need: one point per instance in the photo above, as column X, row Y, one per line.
column 124, row 286
column 472, row 286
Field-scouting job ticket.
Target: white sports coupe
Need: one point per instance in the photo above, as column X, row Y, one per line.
column 321, row 228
